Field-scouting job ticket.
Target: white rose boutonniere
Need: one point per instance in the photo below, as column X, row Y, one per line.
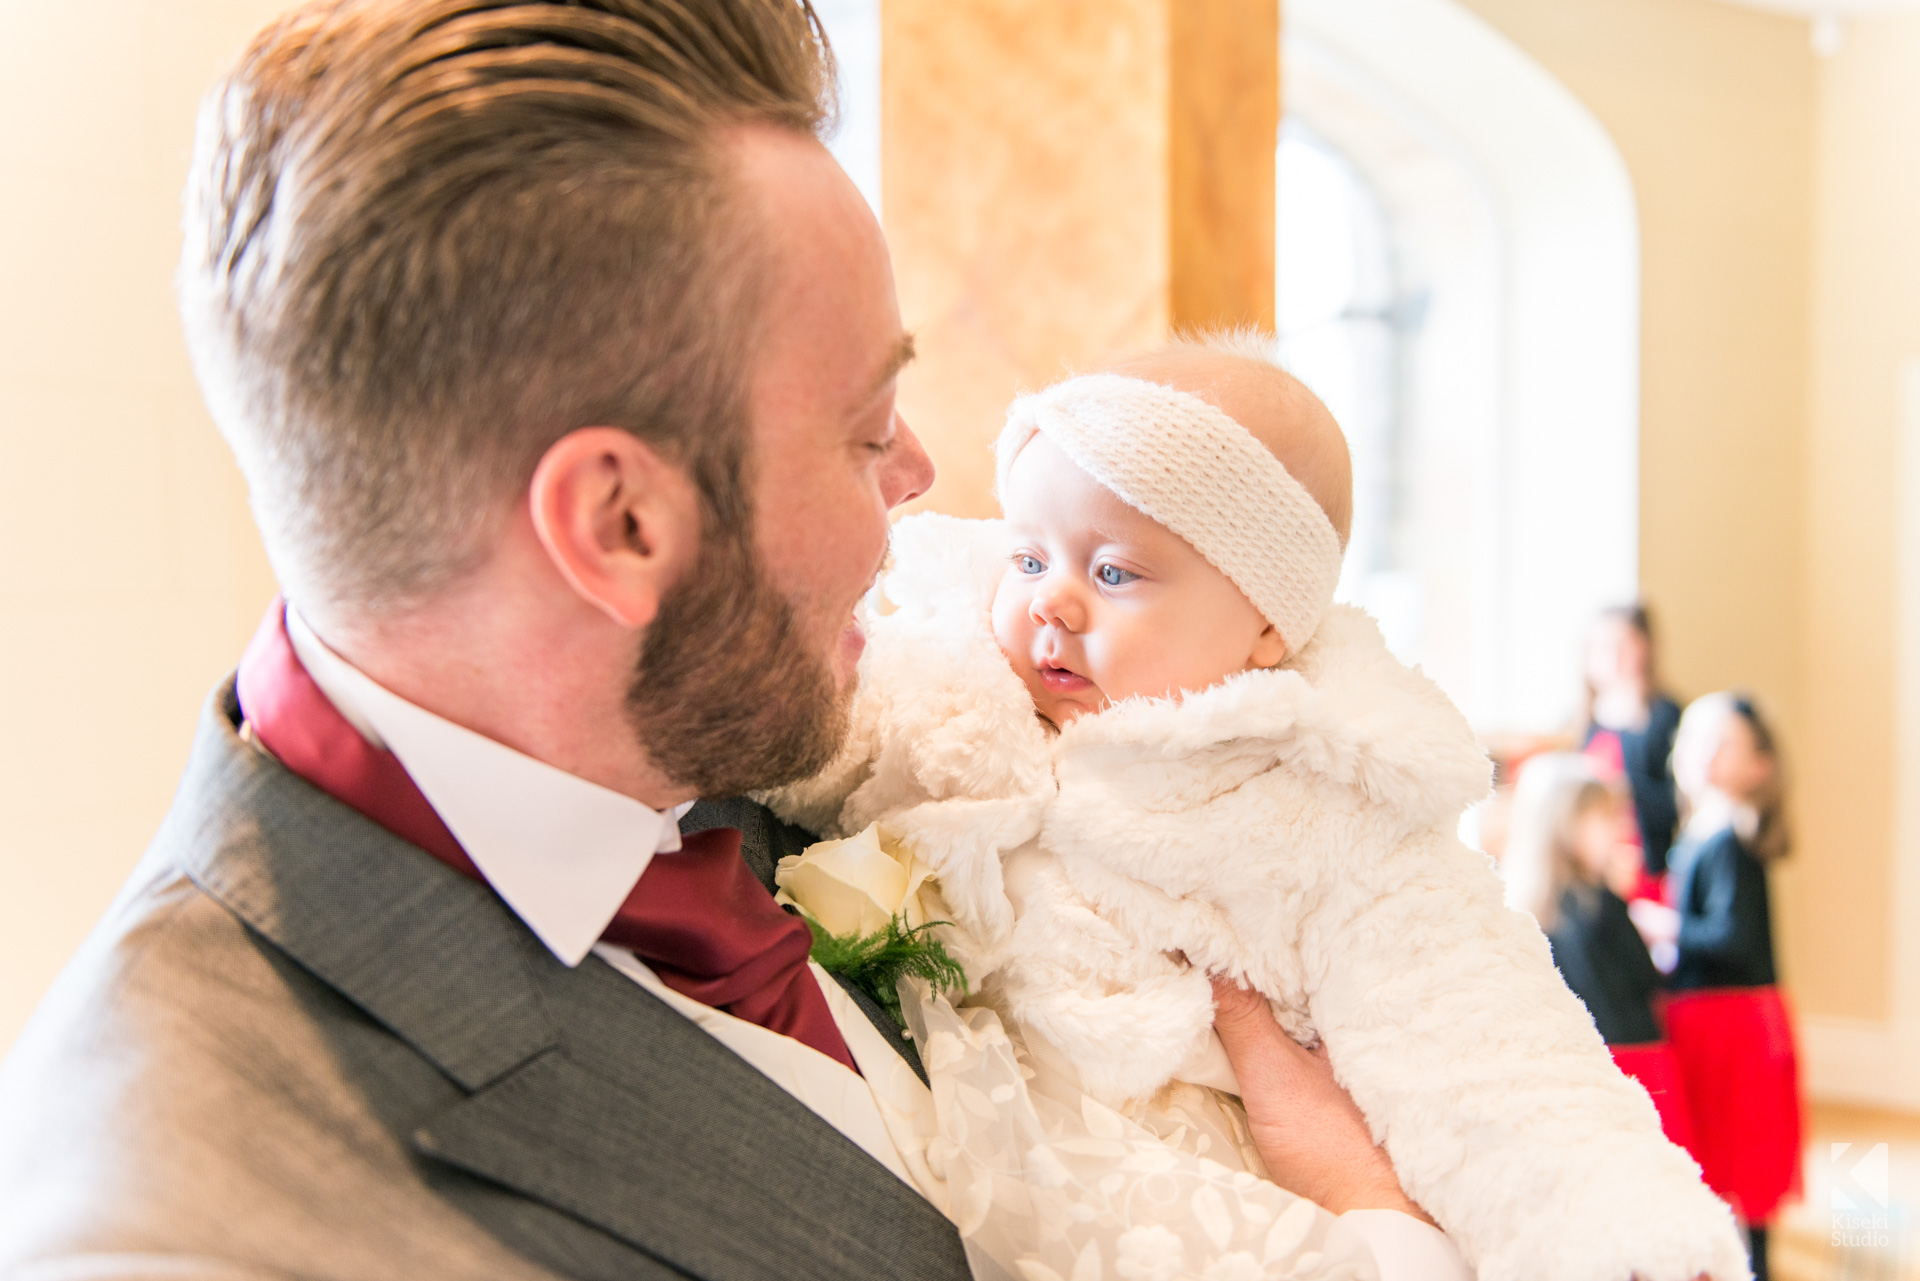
column 872, row 904
column 857, row 885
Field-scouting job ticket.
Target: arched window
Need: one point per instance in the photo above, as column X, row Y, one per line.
column 1339, row 313
column 1458, row 277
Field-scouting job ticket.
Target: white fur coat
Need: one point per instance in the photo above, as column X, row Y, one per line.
column 1293, row 828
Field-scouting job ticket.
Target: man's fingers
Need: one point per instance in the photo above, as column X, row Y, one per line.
column 1253, row 1039
column 1314, row 1140
column 1229, row 996
column 1241, row 1015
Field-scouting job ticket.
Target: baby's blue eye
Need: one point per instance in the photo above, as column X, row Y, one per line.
column 1114, row 576
column 1029, row 564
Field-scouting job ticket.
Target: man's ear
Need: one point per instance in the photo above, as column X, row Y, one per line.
column 1269, row 648
column 620, row 522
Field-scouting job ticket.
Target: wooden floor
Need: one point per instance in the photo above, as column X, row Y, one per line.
column 1804, row 1236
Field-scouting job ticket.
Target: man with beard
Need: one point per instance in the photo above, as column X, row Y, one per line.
column 559, row 357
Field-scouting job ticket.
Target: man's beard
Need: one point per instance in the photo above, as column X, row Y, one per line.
column 729, row 697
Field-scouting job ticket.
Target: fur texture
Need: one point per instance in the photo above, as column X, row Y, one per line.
column 1293, row 828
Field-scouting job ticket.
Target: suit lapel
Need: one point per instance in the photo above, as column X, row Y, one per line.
column 584, row 1091
column 660, row 1135
column 427, row 952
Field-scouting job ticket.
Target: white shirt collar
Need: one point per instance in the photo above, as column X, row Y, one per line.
column 562, row 852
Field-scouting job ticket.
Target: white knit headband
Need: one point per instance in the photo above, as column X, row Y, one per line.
column 1186, row 465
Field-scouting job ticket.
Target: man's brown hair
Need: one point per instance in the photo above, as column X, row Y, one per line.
column 427, row 238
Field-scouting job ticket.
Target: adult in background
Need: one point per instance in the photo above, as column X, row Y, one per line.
column 1628, row 731
column 560, row 359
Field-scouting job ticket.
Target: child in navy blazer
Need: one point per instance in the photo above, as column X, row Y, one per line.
column 1727, row 1022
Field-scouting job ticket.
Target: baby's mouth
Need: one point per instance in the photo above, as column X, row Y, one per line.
column 1062, row 680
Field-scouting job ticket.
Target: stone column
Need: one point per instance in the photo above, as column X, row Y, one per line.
column 1224, row 113
column 1063, row 180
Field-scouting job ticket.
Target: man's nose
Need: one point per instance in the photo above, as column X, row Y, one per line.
column 906, row 472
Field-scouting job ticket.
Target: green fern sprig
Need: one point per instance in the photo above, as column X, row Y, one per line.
column 877, row 962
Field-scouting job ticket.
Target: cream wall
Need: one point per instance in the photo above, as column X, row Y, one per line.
column 130, row 576
column 1865, row 325
column 1714, row 109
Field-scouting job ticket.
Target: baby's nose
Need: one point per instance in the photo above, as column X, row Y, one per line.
column 1056, row 604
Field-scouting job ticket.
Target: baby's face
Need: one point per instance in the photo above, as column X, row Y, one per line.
column 1099, row 603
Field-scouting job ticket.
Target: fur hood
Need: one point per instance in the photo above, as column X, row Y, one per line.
column 1343, row 711
column 947, row 749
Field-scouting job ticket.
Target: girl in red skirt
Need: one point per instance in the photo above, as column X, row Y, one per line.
column 1726, row 1020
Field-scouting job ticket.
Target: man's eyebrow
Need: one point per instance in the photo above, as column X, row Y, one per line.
column 900, row 357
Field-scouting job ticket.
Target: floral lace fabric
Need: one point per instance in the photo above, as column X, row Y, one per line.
column 1047, row 1184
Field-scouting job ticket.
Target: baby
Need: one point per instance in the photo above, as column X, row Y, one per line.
column 1138, row 744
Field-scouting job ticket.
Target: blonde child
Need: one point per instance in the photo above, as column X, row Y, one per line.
column 1569, row 853
column 1138, row 744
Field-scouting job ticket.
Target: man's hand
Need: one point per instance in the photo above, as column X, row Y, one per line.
column 1308, row 1131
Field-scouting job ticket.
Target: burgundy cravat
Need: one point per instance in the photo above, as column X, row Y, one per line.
column 698, row 918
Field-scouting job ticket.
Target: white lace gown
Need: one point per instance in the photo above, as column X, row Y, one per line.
column 1046, row 1184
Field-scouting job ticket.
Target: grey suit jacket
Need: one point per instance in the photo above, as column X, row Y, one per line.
column 298, row 1046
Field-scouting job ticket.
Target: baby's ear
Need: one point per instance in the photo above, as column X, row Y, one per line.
column 1269, row 649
